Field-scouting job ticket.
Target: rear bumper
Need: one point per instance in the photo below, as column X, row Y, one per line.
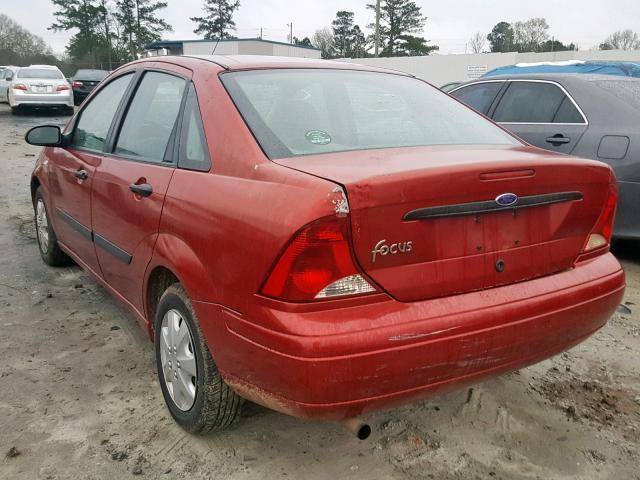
column 47, row 100
column 343, row 362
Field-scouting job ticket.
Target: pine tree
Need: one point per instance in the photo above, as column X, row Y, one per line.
column 80, row 15
column 139, row 23
column 398, row 19
column 348, row 39
column 149, row 26
column 126, row 17
column 218, row 19
column 343, row 33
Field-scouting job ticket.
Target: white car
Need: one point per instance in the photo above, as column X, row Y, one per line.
column 6, row 77
column 40, row 86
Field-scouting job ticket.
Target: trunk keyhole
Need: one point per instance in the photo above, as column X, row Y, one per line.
column 500, row 265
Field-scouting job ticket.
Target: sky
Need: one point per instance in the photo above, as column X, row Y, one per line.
column 450, row 23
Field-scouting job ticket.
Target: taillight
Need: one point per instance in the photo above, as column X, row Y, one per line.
column 19, row 86
column 603, row 230
column 62, row 88
column 317, row 264
column 76, row 83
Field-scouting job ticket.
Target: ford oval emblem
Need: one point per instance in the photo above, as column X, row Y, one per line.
column 506, row 199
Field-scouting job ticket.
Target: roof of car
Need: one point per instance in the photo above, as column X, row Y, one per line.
column 255, row 62
column 554, row 77
column 51, row 67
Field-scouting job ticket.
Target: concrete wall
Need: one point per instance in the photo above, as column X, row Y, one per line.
column 441, row 69
column 248, row 47
column 206, row 48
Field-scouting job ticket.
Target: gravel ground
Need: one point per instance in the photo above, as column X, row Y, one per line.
column 79, row 396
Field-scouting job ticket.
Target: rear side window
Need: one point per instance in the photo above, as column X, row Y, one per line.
column 91, row 75
column 479, row 96
column 151, row 117
column 297, row 112
column 193, row 152
column 536, row 102
column 96, row 118
column 40, row 73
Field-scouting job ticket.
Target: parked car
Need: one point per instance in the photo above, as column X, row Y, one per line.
column 84, row 81
column 447, row 87
column 591, row 116
column 6, row 77
column 592, row 67
column 40, row 86
column 301, row 234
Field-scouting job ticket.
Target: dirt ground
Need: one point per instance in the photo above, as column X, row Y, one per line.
column 79, row 396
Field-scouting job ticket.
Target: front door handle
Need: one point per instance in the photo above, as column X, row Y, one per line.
column 142, row 189
column 558, row 140
column 81, row 174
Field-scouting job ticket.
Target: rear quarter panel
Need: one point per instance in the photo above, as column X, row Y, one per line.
column 221, row 231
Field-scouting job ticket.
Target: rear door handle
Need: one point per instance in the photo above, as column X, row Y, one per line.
column 558, row 139
column 143, row 189
column 81, row 174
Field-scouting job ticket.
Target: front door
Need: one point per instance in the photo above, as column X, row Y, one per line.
column 542, row 114
column 131, row 182
column 73, row 170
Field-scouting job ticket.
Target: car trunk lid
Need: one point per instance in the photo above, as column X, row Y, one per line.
column 425, row 221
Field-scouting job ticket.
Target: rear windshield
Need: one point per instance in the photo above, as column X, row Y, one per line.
column 43, row 73
column 95, row 75
column 305, row 112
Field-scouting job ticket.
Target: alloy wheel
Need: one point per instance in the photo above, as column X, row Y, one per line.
column 178, row 360
column 42, row 225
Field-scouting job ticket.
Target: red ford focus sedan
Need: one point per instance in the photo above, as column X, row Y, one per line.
column 321, row 238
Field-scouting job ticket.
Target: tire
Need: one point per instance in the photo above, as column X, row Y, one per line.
column 15, row 110
column 47, row 240
column 202, row 402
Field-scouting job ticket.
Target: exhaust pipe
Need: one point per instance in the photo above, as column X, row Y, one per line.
column 356, row 426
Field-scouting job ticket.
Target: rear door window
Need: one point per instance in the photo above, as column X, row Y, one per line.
column 193, row 151
column 96, row 118
column 151, row 117
column 536, row 102
column 479, row 96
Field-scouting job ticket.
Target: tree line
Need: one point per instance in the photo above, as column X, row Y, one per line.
column 533, row 36
column 110, row 31
column 19, row 46
column 400, row 23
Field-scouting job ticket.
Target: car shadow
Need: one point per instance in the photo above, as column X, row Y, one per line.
column 627, row 250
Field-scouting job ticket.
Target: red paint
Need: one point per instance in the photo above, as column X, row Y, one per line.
column 442, row 315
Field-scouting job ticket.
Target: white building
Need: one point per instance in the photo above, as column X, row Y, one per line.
column 235, row 46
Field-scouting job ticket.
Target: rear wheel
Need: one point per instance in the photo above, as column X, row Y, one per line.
column 191, row 384
column 47, row 241
column 15, row 110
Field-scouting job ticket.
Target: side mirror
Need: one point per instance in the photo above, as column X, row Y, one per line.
column 45, row 136
column 9, row 77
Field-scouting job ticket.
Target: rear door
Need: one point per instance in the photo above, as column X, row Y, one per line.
column 72, row 170
column 542, row 113
column 131, row 181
